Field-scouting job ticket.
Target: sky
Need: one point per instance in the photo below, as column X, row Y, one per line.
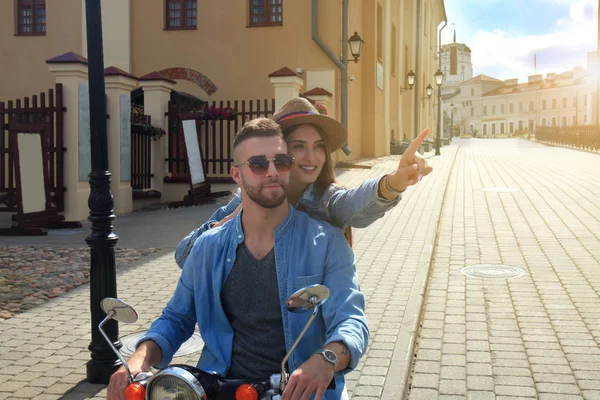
column 505, row 35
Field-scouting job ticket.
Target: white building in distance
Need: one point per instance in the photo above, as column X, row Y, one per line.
column 487, row 106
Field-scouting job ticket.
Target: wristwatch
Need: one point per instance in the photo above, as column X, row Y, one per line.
column 329, row 356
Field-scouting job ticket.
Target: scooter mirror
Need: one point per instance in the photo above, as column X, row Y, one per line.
column 120, row 310
column 307, row 298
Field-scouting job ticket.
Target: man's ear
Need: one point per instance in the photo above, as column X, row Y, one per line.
column 236, row 175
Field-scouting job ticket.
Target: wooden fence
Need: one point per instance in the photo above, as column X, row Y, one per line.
column 141, row 152
column 214, row 136
column 48, row 111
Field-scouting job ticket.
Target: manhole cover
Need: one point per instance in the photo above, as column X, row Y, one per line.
column 500, row 189
column 492, row 271
column 192, row 345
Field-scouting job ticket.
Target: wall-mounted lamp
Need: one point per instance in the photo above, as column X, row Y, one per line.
column 439, row 78
column 410, row 79
column 356, row 44
column 429, row 90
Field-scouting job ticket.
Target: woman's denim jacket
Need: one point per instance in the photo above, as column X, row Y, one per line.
column 341, row 207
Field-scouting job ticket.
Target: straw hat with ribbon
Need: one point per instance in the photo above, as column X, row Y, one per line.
column 299, row 111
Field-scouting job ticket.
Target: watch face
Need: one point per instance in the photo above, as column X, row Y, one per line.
column 330, row 356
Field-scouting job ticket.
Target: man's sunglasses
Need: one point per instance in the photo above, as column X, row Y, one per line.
column 259, row 165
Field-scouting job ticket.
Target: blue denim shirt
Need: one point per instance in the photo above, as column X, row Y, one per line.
column 307, row 252
column 341, row 207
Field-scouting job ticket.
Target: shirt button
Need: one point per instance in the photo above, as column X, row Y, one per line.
column 229, row 260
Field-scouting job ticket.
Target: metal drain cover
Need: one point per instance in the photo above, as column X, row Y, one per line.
column 500, row 189
column 192, row 345
column 493, row 271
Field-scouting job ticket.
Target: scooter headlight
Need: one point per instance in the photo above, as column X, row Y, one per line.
column 175, row 383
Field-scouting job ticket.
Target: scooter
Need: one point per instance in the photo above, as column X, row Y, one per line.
column 186, row 382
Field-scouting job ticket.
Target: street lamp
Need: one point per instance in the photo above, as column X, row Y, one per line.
column 102, row 240
column 429, row 90
column 356, row 44
column 439, row 79
column 410, row 79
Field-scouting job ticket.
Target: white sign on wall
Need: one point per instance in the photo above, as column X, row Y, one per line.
column 193, row 151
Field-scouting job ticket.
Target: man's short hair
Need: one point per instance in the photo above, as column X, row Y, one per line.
column 259, row 127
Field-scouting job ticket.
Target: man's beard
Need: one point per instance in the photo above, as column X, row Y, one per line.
column 272, row 201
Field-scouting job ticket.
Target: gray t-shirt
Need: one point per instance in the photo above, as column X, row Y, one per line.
column 250, row 300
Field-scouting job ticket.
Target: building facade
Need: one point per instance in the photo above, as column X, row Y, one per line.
column 486, row 106
column 225, row 50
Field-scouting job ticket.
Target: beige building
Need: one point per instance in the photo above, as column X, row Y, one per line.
column 225, row 50
column 487, row 106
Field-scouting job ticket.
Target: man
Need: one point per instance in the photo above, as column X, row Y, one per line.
column 238, row 276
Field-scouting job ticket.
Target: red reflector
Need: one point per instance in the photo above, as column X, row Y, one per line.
column 135, row 391
column 246, row 392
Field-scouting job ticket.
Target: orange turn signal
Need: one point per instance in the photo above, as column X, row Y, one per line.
column 246, row 392
column 135, row 391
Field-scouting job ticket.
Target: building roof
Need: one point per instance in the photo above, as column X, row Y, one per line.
column 460, row 46
column 548, row 83
column 481, row 78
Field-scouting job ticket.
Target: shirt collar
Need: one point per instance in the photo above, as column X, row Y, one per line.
column 280, row 230
column 310, row 197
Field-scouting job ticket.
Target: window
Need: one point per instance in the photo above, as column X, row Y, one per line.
column 520, row 106
column 379, row 32
column 266, row 13
column 393, row 69
column 31, row 17
column 472, row 92
column 501, row 108
column 502, row 128
column 493, row 129
column 564, row 102
column 512, row 108
column 553, row 121
column 530, row 105
column 485, row 129
column 575, row 101
column 543, row 104
column 472, row 111
column 574, row 120
column 181, row 14
column 554, row 104
column 543, row 121
column 511, row 127
column 564, row 121
column 493, row 111
column 484, row 110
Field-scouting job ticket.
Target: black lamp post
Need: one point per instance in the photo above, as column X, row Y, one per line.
column 356, row 44
column 439, row 79
column 451, row 120
column 102, row 240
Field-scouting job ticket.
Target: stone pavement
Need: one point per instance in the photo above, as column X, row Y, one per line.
column 531, row 337
column 43, row 351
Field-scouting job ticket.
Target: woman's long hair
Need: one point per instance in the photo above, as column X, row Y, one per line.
column 327, row 175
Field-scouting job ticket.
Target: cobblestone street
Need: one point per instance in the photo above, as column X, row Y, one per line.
column 532, row 336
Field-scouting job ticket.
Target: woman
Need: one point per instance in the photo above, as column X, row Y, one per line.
column 311, row 138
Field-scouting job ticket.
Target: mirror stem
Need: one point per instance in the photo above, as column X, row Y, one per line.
column 284, row 377
column 109, row 316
